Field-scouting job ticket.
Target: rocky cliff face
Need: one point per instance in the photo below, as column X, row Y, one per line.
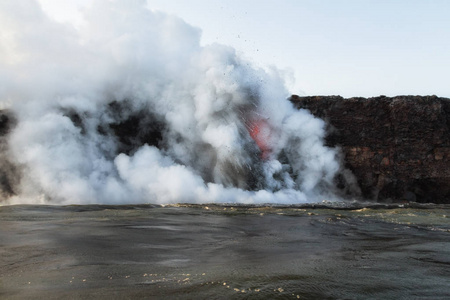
column 8, row 171
column 398, row 148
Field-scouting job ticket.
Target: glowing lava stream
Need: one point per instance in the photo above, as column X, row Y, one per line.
column 261, row 133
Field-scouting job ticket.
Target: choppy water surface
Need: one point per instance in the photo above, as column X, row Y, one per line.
column 225, row 252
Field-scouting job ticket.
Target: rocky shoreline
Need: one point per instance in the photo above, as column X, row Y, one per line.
column 398, row 148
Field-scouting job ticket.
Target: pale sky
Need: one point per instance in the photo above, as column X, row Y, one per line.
column 332, row 47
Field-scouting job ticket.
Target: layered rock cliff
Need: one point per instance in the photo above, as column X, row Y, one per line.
column 398, row 148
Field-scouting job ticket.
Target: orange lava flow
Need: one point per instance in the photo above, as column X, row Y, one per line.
column 260, row 132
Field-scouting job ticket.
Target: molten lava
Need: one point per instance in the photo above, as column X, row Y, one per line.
column 261, row 132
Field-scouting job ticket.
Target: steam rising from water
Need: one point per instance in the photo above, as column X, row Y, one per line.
column 131, row 109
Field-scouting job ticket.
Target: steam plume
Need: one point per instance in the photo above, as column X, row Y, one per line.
column 131, row 109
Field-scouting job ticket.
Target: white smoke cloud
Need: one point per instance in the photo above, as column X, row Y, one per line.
column 73, row 90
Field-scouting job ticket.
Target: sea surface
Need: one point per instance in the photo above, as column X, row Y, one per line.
column 317, row 251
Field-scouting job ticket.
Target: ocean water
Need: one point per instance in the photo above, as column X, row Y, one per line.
column 320, row 251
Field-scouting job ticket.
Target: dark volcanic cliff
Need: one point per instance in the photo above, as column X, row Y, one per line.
column 398, row 148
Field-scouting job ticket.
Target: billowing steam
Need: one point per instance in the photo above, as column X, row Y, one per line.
column 131, row 109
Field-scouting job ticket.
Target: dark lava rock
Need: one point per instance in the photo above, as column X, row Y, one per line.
column 8, row 171
column 398, row 148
